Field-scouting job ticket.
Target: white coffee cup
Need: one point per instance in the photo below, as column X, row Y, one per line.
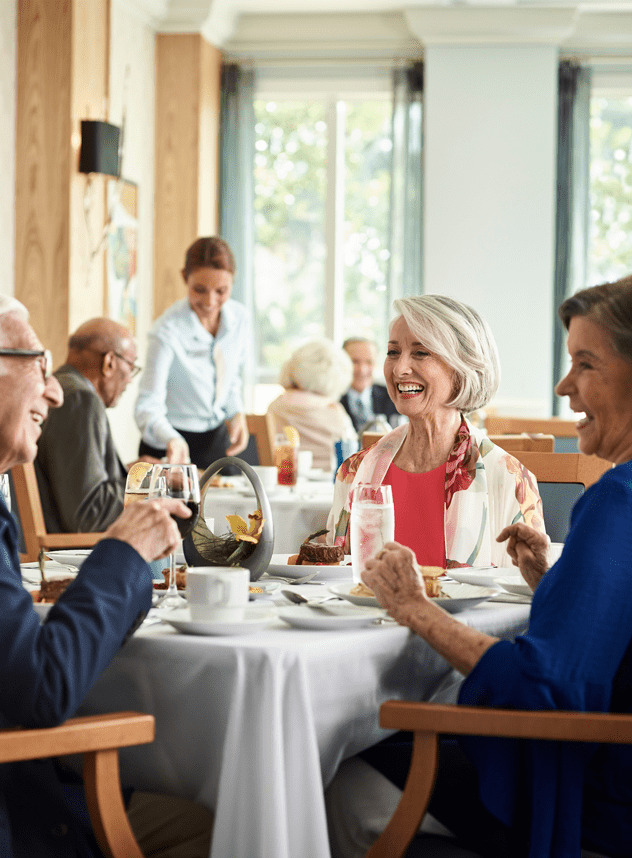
column 217, row 593
column 268, row 476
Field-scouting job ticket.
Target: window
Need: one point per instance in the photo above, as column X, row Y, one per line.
column 322, row 199
column 610, row 238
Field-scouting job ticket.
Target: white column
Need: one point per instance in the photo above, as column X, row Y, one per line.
column 489, row 200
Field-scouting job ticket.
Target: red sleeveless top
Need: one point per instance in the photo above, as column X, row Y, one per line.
column 419, row 501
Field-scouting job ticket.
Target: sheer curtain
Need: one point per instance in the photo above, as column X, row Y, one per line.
column 406, row 219
column 573, row 198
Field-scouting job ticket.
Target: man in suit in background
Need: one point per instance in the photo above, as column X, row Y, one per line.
column 364, row 400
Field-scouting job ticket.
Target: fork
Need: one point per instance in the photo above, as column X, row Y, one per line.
column 306, row 579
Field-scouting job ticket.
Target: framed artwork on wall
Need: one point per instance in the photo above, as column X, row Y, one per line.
column 121, row 254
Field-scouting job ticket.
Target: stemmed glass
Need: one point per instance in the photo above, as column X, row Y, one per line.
column 181, row 482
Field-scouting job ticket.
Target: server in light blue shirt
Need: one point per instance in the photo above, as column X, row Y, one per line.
column 190, row 397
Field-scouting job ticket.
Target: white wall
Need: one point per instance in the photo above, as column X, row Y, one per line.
column 489, row 201
column 132, row 45
column 7, row 145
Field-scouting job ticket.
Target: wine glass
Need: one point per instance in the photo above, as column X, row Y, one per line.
column 181, row 482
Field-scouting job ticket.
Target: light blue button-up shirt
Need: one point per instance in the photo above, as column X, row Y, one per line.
column 192, row 380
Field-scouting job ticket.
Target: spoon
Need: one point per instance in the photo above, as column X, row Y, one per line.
column 301, row 600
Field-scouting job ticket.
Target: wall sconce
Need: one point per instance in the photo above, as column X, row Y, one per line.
column 99, row 148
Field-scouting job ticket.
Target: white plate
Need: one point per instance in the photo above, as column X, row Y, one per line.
column 335, row 617
column 458, row 596
column 279, row 566
column 267, row 587
column 484, row 576
column 254, row 619
column 70, row 558
column 516, row 585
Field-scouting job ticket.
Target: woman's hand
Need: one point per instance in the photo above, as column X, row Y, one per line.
column 528, row 549
column 149, row 528
column 178, row 452
column 238, row 434
column 394, row 577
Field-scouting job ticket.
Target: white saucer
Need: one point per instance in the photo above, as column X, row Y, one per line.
column 279, row 566
column 343, row 591
column 483, row 576
column 254, row 619
column 268, row 587
column 516, row 585
column 336, row 617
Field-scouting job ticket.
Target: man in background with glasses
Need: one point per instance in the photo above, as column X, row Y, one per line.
column 46, row 670
column 77, row 439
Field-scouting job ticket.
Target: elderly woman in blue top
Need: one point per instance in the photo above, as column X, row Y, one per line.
column 577, row 652
column 189, row 405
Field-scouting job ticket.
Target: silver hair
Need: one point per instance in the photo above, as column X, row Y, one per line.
column 460, row 337
column 319, row 367
column 9, row 306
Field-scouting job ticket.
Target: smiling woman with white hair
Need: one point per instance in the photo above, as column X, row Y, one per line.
column 453, row 490
column 314, row 378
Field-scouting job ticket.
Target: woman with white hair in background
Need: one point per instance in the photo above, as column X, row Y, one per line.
column 314, row 378
column 453, row 490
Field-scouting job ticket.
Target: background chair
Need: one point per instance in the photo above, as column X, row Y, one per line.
column 98, row 738
column 369, row 438
column 428, row 720
column 260, row 426
column 29, row 511
column 533, row 443
column 562, row 479
column 563, row 431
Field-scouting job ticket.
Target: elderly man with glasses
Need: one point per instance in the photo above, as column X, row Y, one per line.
column 47, row 669
column 80, row 476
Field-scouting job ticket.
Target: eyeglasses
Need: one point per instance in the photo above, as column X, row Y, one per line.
column 134, row 366
column 45, row 356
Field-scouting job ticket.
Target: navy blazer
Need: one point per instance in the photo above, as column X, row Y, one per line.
column 382, row 404
column 46, row 670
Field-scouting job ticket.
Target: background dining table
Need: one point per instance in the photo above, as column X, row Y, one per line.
column 254, row 726
column 296, row 512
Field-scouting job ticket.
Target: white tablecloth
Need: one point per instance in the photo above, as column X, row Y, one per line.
column 255, row 726
column 296, row 514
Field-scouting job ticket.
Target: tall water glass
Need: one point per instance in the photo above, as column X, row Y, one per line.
column 372, row 523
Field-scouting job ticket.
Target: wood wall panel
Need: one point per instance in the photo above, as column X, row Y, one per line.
column 60, row 73
column 187, row 108
column 43, row 166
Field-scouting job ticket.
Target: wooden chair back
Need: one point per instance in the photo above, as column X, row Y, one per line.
column 428, row 720
column 563, row 467
column 495, row 425
column 261, row 427
column 98, row 738
column 29, row 509
column 369, row 438
column 533, row 443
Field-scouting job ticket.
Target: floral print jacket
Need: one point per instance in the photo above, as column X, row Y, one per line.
column 486, row 489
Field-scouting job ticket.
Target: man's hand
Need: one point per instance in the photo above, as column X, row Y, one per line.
column 528, row 549
column 149, row 528
column 238, row 434
column 394, row 577
column 178, row 452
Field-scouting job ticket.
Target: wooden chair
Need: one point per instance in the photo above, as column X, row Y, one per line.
column 29, row 509
column 98, row 738
column 262, row 428
column 564, row 431
column 563, row 467
column 369, row 438
column 533, row 443
column 428, row 720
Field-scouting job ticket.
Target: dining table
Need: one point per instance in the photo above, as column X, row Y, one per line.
column 297, row 511
column 254, row 726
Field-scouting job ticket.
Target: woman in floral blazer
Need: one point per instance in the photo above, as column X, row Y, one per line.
column 442, row 362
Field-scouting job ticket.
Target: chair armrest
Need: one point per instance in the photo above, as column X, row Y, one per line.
column 98, row 737
column 481, row 721
column 70, row 540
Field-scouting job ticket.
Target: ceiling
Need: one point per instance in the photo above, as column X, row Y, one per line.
column 277, row 27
